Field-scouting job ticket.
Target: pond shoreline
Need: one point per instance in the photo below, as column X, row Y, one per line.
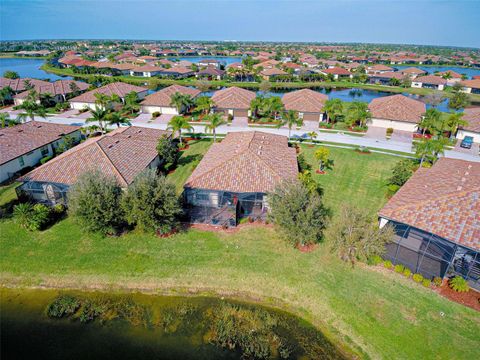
column 349, row 350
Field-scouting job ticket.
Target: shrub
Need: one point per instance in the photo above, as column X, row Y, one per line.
column 167, row 151
column 437, row 281
column 388, row 264
column 458, row 284
column 63, row 306
column 90, row 311
column 407, row 272
column 155, row 114
column 46, row 159
column 58, row 209
column 389, row 131
column 299, row 213
column 401, row 172
column 399, row 268
column 31, row 217
column 392, row 189
column 151, row 203
column 374, row 260
column 94, row 201
column 303, row 164
column 426, row 282
column 363, row 150
column 417, row 278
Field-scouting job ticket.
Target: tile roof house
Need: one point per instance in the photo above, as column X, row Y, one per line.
column 471, row 86
column 24, row 145
column 146, row 70
column 234, row 101
column 429, row 82
column 308, row 103
column 385, row 78
column 337, row 72
column 234, row 176
column 121, row 154
column 210, row 73
column 19, row 85
column 472, row 116
column 378, row 69
column 271, row 73
column 117, row 88
column 412, row 72
column 436, row 215
column 59, row 90
column 396, row 111
column 160, row 101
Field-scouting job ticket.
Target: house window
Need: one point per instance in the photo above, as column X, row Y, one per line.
column 21, row 161
column 44, row 151
column 201, row 197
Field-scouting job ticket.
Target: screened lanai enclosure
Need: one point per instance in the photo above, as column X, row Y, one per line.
column 431, row 255
column 43, row 192
column 223, row 208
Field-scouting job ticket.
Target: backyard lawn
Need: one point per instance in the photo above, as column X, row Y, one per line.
column 379, row 314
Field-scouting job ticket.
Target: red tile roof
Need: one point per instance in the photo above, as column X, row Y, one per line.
column 471, row 83
column 472, row 115
column 18, row 85
column 336, row 71
column 119, row 88
column 431, row 79
column 163, row 97
column 249, row 161
column 413, row 70
column 305, row 100
column 272, row 72
column 397, row 107
column 20, row 139
column 59, row 87
column 233, row 98
column 443, row 200
column 453, row 74
column 121, row 154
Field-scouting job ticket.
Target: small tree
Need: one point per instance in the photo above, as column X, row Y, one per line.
column 94, row 200
column 322, row 154
column 265, row 86
column 204, row 104
column 333, row 108
column 151, row 203
column 401, row 172
column 177, row 124
column 11, row 74
column 167, row 151
column 291, row 119
column 312, row 135
column 298, row 212
column 214, row 121
column 355, row 237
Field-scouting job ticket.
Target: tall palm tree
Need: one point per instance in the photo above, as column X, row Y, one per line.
column 118, row 119
column 177, row 124
column 312, row 135
column 102, row 100
column 131, row 103
column 430, row 121
column 424, row 149
column 333, row 108
column 454, row 121
column 181, row 101
column 204, row 104
column 273, row 106
column 256, row 105
column 358, row 112
column 291, row 119
column 99, row 114
column 215, row 120
column 31, row 109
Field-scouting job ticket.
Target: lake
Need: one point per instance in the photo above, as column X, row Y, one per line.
column 28, row 68
column 470, row 72
column 149, row 327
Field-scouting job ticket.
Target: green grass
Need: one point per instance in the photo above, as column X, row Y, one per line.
column 379, row 314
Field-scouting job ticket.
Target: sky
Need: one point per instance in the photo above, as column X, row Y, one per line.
column 426, row 22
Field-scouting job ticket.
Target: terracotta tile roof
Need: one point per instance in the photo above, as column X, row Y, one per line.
column 18, row 85
column 20, row 139
column 397, row 107
column 59, row 87
column 471, row 83
column 472, row 115
column 121, row 154
column 379, row 67
column 125, row 66
column 163, row 97
column 453, row 74
column 431, row 79
column 304, row 100
column 147, row 68
column 178, row 70
column 211, row 71
column 233, row 98
column 119, row 88
column 336, row 71
column 272, row 72
column 249, row 161
column 413, row 70
column 443, row 200
column 389, row 75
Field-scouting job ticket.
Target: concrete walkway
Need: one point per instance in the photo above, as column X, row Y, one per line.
column 321, row 136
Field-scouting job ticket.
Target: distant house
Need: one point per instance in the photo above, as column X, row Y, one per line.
column 178, row 72
column 378, row 69
column 429, row 82
column 22, row 146
column 397, row 112
column 233, row 101
column 20, row 85
column 471, row 86
column 452, row 77
column 121, row 154
column 436, row 220
column 160, row 101
column 210, row 73
column 87, row 100
column 234, row 177
column 210, row 63
column 413, row 72
column 472, row 116
column 146, row 71
column 308, row 103
column 59, row 90
column 271, row 73
column 385, row 78
column 337, row 72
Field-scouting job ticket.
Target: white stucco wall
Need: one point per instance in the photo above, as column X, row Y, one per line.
column 397, row 125
column 149, row 109
column 462, row 133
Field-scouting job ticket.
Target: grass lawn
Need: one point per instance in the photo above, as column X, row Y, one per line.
column 379, row 314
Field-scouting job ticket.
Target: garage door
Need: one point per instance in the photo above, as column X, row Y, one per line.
column 240, row 113
column 311, row 117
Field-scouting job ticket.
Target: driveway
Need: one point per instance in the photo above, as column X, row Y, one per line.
column 142, row 118
column 310, row 125
column 472, row 151
column 240, row 121
column 402, row 136
column 163, row 119
column 376, row 133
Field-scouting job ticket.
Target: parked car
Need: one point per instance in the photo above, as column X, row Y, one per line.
column 467, row 142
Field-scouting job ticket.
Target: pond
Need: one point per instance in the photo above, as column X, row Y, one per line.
column 470, row 72
column 28, row 68
column 128, row 326
column 227, row 60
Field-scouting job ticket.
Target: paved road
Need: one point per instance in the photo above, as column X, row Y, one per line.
column 322, row 136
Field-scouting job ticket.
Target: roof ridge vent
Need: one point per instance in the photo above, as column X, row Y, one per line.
column 459, row 188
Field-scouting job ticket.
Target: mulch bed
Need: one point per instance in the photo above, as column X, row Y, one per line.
column 320, row 172
column 185, row 147
column 306, row 248
column 470, row 298
column 220, row 229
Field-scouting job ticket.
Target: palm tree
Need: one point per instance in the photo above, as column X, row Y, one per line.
column 118, row 119
column 102, row 100
column 6, row 94
column 177, row 124
column 204, row 104
column 256, row 106
column 181, row 101
column 358, row 112
column 333, row 108
column 291, row 119
column 31, row 109
column 430, row 121
column 273, row 106
column 99, row 115
column 454, row 121
column 131, row 103
column 423, row 149
column 4, row 119
column 312, row 135
column 215, row 120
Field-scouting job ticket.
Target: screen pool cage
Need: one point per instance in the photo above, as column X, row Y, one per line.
column 223, row 208
column 43, row 192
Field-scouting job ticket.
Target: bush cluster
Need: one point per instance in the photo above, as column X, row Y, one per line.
column 374, row 260
column 458, row 284
column 63, row 306
column 399, row 268
column 32, row 217
column 407, row 272
column 437, row 281
column 388, row 264
column 418, row 278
